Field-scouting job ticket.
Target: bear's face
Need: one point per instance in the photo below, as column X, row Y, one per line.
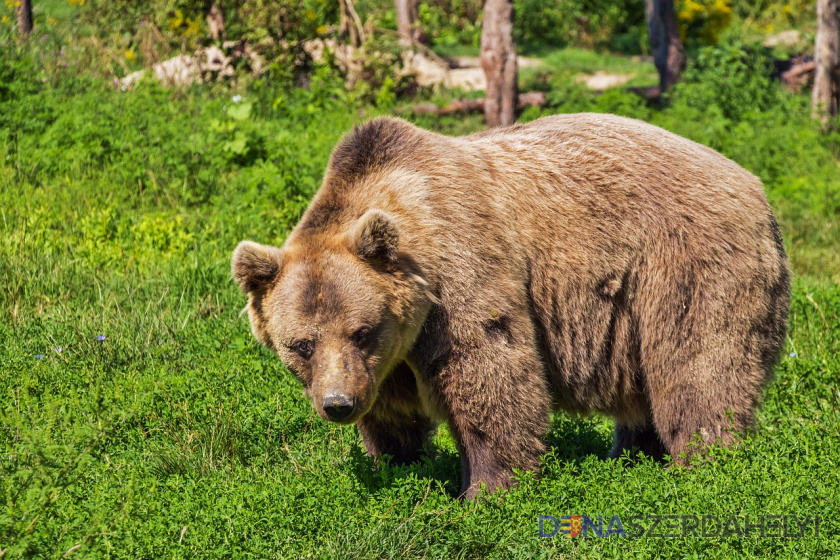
column 340, row 310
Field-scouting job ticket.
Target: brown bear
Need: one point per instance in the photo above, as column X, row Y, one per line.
column 578, row 262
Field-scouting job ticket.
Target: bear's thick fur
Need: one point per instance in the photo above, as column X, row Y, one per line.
column 579, row 262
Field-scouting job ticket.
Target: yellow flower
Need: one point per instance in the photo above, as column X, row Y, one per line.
column 321, row 29
column 722, row 7
column 704, row 18
column 175, row 22
column 690, row 10
column 17, row 4
column 5, row 19
column 129, row 54
column 193, row 28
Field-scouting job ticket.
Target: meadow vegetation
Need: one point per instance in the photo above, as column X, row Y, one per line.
column 140, row 418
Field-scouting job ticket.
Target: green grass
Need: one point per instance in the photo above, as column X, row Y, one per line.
column 60, row 10
column 581, row 60
column 569, row 63
column 178, row 435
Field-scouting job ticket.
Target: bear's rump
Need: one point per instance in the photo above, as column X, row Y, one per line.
column 679, row 316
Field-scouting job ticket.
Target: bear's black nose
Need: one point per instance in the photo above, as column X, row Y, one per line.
column 338, row 407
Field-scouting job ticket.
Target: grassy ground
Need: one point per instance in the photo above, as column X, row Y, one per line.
column 60, row 10
column 571, row 62
column 139, row 418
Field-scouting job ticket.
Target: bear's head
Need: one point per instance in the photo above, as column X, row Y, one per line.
column 341, row 309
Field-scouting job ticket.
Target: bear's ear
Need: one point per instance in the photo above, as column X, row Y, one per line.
column 254, row 265
column 375, row 237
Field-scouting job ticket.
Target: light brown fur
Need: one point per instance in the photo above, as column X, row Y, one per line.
column 580, row 262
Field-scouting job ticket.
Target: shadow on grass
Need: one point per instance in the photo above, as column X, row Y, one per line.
column 572, row 440
column 437, row 465
column 575, row 439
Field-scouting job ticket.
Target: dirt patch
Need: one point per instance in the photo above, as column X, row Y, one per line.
column 599, row 81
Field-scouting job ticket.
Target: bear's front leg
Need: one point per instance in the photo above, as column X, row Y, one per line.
column 396, row 425
column 498, row 407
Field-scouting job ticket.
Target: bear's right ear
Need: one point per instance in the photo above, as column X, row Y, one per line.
column 375, row 237
column 254, row 265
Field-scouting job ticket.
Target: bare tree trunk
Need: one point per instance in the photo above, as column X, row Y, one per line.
column 350, row 23
column 408, row 22
column 216, row 22
column 498, row 58
column 24, row 17
column 826, row 93
column 668, row 54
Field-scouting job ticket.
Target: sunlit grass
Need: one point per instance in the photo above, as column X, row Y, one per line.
column 163, row 429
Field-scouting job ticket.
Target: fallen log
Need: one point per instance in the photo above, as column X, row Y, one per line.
column 529, row 99
column 798, row 76
column 651, row 93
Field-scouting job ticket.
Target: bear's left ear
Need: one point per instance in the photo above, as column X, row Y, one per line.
column 375, row 237
column 254, row 265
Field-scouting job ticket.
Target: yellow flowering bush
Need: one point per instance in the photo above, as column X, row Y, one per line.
column 703, row 19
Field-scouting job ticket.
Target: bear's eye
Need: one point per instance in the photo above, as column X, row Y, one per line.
column 361, row 336
column 304, row 348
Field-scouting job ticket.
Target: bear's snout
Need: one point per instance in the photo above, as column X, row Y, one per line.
column 339, row 407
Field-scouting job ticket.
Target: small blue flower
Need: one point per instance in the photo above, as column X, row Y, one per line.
column 100, row 338
column 236, row 98
column 792, row 354
column 39, row 356
column 58, row 350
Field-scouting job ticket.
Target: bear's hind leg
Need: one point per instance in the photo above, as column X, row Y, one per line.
column 637, row 439
column 397, row 425
column 709, row 337
column 709, row 396
column 687, row 413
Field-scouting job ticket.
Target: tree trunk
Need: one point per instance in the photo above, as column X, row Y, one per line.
column 668, row 54
column 408, row 22
column 498, row 58
column 350, row 25
column 826, row 93
column 216, row 22
column 24, row 17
